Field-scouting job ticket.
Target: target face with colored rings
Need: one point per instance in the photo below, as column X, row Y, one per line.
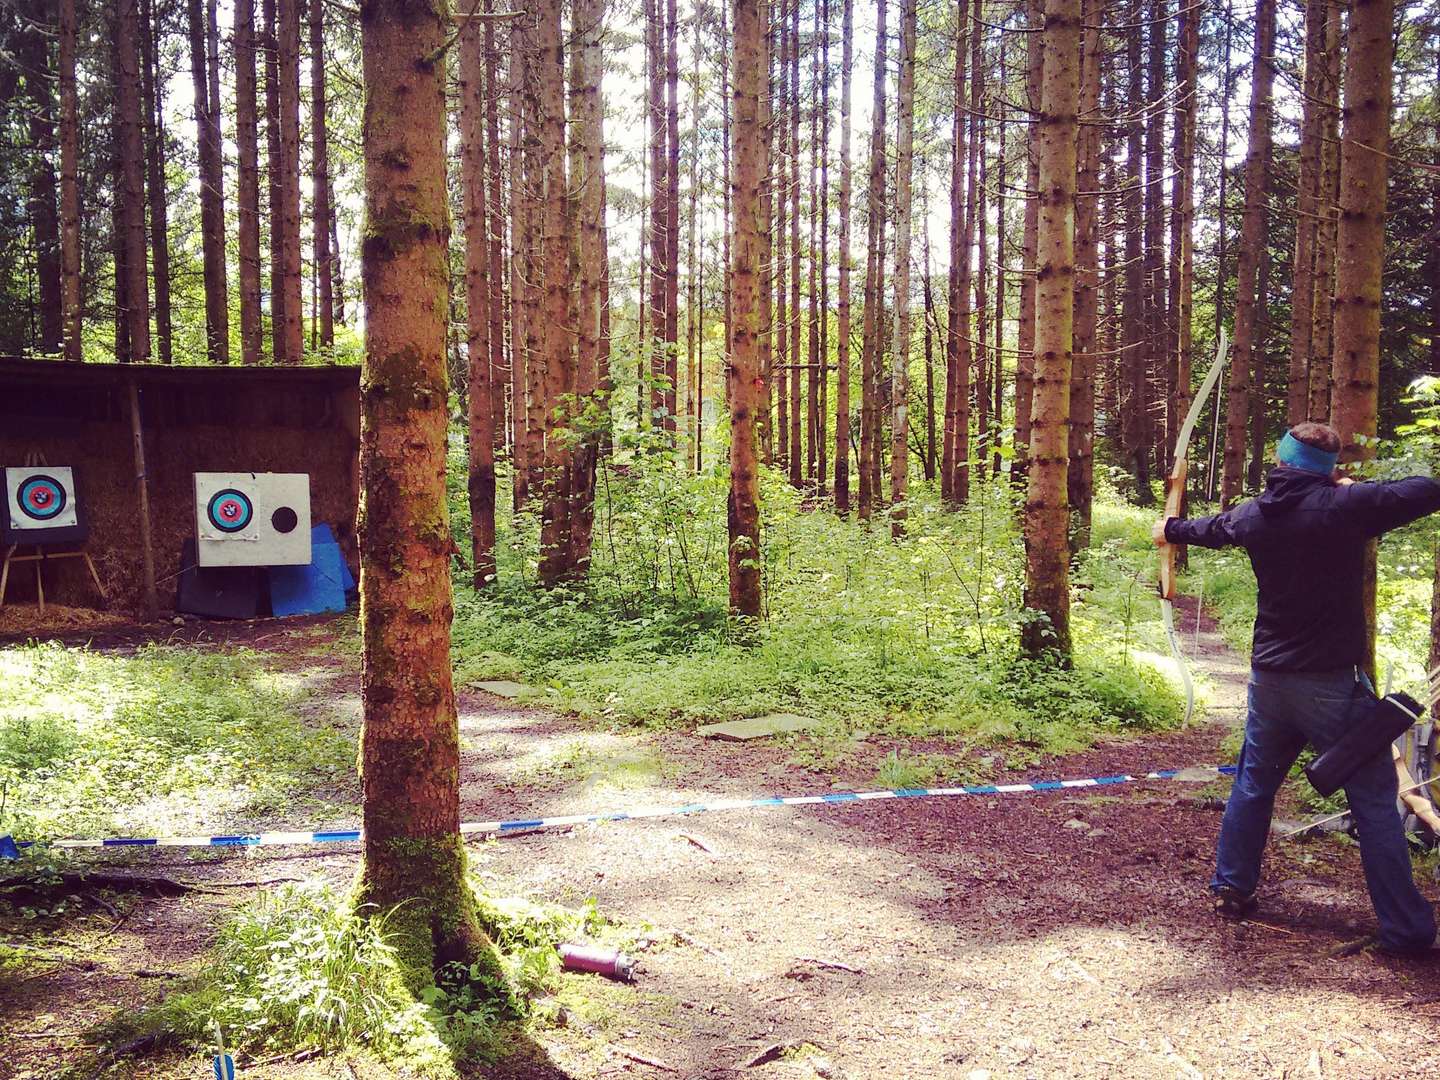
column 229, row 510
column 41, row 497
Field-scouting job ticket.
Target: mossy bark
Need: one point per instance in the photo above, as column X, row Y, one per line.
column 414, row 860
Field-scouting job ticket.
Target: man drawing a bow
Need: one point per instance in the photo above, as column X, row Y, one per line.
column 1306, row 537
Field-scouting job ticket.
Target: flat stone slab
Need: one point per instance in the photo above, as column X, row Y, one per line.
column 757, row 727
column 504, row 688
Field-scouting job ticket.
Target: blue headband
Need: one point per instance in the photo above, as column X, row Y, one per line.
column 1299, row 455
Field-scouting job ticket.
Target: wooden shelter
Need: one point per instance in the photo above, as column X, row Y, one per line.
column 135, row 435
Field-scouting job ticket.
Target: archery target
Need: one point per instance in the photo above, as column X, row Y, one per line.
column 252, row 519
column 41, row 505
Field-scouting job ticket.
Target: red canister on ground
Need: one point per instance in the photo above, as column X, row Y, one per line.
column 611, row 963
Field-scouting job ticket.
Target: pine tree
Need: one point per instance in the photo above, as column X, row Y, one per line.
column 744, row 375
column 1047, row 586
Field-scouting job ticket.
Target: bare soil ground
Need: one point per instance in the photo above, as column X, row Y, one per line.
column 1038, row 935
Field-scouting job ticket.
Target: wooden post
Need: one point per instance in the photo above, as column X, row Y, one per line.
column 142, row 489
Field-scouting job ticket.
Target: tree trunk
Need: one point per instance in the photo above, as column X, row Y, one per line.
column 247, row 197
column 821, row 406
column 1182, row 220
column 1080, row 474
column 413, row 867
column 1047, row 587
column 743, row 509
column 1323, row 327
column 274, row 171
column 1133, row 362
column 1252, row 247
column 557, row 345
column 672, row 217
column 814, row 356
column 797, row 453
column 131, row 195
column 519, row 303
column 900, row 355
column 212, row 195
column 1002, row 178
column 499, row 366
column 1025, row 366
column 1160, row 356
column 70, row 301
column 780, row 183
column 288, row 60
column 1307, row 198
column 43, row 206
column 842, row 288
column 980, row 279
column 320, row 178
column 1369, row 72
column 659, row 215
column 955, row 452
column 874, row 302
column 481, row 382
column 587, row 180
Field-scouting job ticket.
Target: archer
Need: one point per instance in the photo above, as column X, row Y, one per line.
column 1306, row 537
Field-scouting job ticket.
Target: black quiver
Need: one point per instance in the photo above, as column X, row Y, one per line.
column 1382, row 721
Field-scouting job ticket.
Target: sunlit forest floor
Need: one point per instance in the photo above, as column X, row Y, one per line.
column 1044, row 934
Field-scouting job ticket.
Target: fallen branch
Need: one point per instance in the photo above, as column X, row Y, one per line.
column 830, row 965
column 654, row 1063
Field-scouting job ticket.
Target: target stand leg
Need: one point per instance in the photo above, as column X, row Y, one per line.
column 40, row 579
column 95, row 577
column 5, row 572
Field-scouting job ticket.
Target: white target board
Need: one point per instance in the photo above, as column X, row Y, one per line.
column 41, row 505
column 252, row 519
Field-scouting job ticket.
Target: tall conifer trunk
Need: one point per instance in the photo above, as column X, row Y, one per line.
column 413, row 866
column 288, row 70
column 1080, row 474
column 156, row 187
column 744, row 374
column 842, row 289
column 212, row 181
column 900, row 355
column 479, row 403
column 1047, row 586
column 874, row 300
column 320, row 180
column 247, row 195
column 131, row 196
column 1252, row 247
column 1369, row 68
column 70, row 298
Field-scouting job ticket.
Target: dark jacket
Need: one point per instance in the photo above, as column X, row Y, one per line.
column 1306, row 537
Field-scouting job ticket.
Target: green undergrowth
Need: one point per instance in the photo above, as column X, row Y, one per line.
column 162, row 740
column 298, row 969
column 915, row 637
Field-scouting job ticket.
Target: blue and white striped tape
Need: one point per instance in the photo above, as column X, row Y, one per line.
column 471, row 828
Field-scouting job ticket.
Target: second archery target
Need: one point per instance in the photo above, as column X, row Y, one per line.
column 252, row 519
column 41, row 506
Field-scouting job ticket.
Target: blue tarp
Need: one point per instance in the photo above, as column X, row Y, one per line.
column 317, row 588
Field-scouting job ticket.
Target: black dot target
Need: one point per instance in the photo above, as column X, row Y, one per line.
column 284, row 520
column 229, row 510
column 41, row 497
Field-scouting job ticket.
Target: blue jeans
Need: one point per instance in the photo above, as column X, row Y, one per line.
column 1288, row 710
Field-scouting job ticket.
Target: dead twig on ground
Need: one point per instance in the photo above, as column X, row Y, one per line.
column 830, row 965
column 654, row 1063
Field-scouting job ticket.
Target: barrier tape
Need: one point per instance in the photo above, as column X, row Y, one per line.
column 472, row 828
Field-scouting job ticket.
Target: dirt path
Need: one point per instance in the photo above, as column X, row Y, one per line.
column 1038, row 935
